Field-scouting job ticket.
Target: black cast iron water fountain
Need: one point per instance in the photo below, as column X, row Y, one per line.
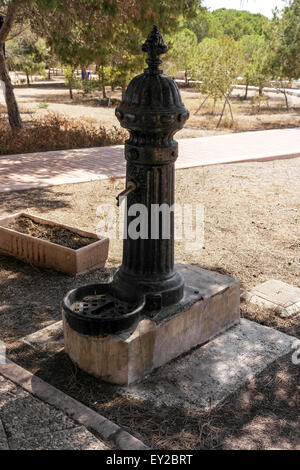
column 146, row 282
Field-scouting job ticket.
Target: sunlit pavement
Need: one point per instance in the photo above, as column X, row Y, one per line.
column 35, row 170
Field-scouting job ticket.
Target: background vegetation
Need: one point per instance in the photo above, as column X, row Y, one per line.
column 215, row 50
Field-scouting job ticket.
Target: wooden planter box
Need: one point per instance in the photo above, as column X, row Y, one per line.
column 46, row 254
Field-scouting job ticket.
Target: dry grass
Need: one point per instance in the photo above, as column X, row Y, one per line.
column 272, row 115
column 52, row 233
column 56, row 132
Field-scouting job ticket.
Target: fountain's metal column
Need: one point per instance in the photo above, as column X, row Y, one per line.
column 153, row 112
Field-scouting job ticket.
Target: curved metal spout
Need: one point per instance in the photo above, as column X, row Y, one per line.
column 131, row 186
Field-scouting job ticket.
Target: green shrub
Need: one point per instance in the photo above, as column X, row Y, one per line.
column 88, row 86
column 43, row 105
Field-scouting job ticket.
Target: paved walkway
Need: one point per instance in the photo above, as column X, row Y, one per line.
column 35, row 415
column 36, row 170
column 27, row 423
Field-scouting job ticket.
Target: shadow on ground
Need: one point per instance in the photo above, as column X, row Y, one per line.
column 263, row 414
column 30, row 297
column 51, row 85
column 41, row 199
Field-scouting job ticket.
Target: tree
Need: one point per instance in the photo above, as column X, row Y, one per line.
column 204, row 24
column 10, row 11
column 283, row 36
column 46, row 55
column 26, row 53
column 125, row 59
column 236, row 23
column 286, row 41
column 14, row 13
column 182, row 50
column 71, row 81
column 258, row 69
column 252, row 49
column 218, row 63
column 108, row 33
column 80, row 32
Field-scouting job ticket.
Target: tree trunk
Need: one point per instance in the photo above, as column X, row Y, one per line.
column 70, row 91
column 203, row 102
column 246, row 92
column 186, row 78
column 27, row 78
column 222, row 114
column 260, row 91
column 104, row 92
column 123, row 91
column 109, row 98
column 11, row 103
column 286, row 99
column 228, row 102
column 49, row 73
column 214, row 107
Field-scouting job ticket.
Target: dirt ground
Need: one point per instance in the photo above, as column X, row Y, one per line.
column 42, row 97
column 55, row 234
column 251, row 233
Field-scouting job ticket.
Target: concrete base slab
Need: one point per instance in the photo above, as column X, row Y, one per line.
column 128, row 357
column 278, row 296
column 209, row 374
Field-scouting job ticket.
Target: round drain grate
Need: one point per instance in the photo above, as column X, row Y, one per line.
column 96, row 310
column 103, row 306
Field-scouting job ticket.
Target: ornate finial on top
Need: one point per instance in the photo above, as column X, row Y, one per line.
column 155, row 46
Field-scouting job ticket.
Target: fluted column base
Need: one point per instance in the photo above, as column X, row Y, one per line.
column 159, row 293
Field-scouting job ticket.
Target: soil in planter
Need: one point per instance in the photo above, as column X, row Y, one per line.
column 51, row 233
